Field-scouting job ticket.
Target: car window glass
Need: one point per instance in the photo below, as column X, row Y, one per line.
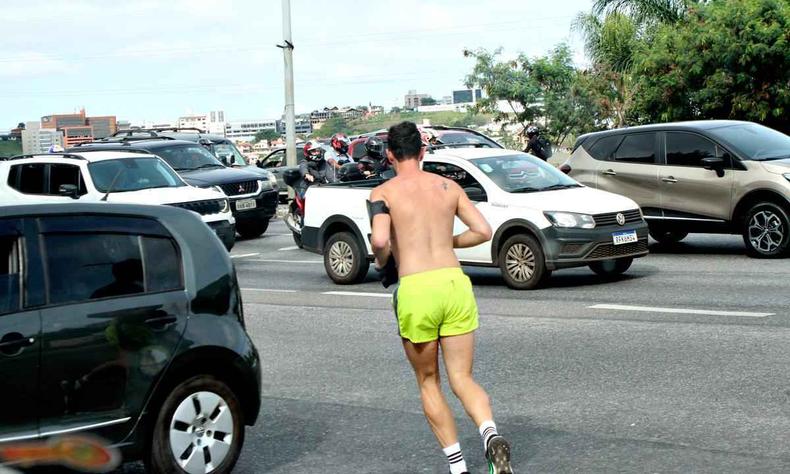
column 687, row 149
column 523, row 173
column 133, row 174
column 275, row 159
column 65, row 174
column 603, row 148
column 162, row 265
column 32, row 178
column 190, row 157
column 82, row 266
column 230, row 153
column 469, row 184
column 637, row 148
column 10, row 270
column 13, row 175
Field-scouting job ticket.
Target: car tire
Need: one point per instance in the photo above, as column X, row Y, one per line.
column 298, row 240
column 523, row 263
column 185, row 427
column 252, row 229
column 344, row 259
column 612, row 268
column 766, row 231
column 667, row 237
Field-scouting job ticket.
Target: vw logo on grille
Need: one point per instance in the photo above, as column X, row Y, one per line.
column 620, row 218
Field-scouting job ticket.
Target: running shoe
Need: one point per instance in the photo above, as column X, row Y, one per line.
column 498, row 455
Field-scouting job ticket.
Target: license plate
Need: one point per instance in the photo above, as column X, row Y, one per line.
column 627, row 237
column 244, row 204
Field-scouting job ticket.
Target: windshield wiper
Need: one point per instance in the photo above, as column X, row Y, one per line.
column 560, row 186
column 525, row 190
column 209, row 165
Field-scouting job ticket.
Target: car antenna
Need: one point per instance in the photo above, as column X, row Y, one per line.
column 112, row 184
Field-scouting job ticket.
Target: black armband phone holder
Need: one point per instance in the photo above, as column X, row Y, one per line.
column 389, row 274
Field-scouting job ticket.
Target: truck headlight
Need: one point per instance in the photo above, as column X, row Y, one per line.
column 225, row 206
column 570, row 220
column 265, row 185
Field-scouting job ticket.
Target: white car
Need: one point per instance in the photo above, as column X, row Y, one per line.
column 112, row 176
column 542, row 219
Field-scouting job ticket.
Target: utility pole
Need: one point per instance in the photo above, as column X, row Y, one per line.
column 290, row 117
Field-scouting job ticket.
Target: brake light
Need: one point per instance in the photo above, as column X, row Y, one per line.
column 566, row 168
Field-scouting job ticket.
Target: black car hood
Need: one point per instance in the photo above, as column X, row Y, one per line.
column 215, row 176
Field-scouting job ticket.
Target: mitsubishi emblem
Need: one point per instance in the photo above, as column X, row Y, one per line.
column 620, row 218
column 241, row 190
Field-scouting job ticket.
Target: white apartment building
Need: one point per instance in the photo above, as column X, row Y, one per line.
column 244, row 131
column 216, row 122
column 193, row 121
column 38, row 140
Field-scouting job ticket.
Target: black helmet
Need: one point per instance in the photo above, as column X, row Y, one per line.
column 374, row 146
column 532, row 130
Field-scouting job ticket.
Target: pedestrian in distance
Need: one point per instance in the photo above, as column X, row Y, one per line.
column 412, row 222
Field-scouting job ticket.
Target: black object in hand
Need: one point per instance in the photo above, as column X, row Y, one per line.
column 388, row 274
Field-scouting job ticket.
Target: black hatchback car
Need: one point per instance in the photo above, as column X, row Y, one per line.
column 253, row 198
column 126, row 323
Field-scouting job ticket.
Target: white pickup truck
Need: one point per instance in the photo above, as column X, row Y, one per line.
column 542, row 219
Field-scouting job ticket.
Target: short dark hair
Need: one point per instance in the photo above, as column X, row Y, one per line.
column 404, row 141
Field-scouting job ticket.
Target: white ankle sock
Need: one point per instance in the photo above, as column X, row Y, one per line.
column 487, row 431
column 455, row 458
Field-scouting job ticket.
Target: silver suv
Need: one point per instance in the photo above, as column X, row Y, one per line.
column 696, row 177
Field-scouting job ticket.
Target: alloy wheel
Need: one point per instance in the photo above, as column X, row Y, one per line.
column 341, row 258
column 766, row 232
column 520, row 262
column 201, row 432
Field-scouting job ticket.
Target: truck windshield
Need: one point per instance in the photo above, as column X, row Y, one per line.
column 132, row 174
column 523, row 174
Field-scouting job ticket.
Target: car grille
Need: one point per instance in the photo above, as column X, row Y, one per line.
column 571, row 248
column 212, row 206
column 610, row 218
column 613, row 251
column 236, row 189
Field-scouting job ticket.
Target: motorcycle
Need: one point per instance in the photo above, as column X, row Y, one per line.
column 295, row 217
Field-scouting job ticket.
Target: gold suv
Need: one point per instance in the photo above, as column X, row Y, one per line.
column 696, row 177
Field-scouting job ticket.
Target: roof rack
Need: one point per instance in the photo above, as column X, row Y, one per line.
column 123, row 148
column 71, row 156
column 154, row 132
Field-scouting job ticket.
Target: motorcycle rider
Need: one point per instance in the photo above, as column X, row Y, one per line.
column 314, row 168
column 375, row 159
column 535, row 144
column 338, row 152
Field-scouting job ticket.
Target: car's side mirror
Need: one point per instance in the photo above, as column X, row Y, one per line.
column 70, row 190
column 714, row 164
column 475, row 194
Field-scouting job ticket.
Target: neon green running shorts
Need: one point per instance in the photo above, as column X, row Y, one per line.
column 434, row 304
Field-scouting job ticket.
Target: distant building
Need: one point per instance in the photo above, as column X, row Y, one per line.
column 412, row 100
column 59, row 121
column 446, row 100
column 103, row 126
column 124, row 125
column 246, row 130
column 465, row 96
column 198, row 121
column 77, row 135
column 100, row 126
column 318, row 117
column 37, row 140
column 443, row 108
column 216, row 122
column 376, row 110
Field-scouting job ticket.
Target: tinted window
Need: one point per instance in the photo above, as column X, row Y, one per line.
column 637, row 148
column 754, row 141
column 32, row 178
column 13, row 174
column 65, row 174
column 162, row 265
column 686, row 149
column 470, row 185
column 89, row 266
column 229, row 151
column 603, row 148
column 133, row 174
column 10, row 270
column 191, row 157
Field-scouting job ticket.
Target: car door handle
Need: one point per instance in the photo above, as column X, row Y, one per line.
column 161, row 322
column 669, row 179
column 610, row 172
column 13, row 343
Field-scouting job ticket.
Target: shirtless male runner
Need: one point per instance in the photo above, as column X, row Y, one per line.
column 413, row 217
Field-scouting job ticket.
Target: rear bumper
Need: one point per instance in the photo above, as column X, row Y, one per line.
column 567, row 248
column 265, row 206
column 225, row 231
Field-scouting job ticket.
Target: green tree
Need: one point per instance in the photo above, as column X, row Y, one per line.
column 428, row 101
column 543, row 89
column 334, row 125
column 646, row 12
column 267, row 135
column 728, row 60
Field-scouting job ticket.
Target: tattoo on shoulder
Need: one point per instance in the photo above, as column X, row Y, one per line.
column 444, row 185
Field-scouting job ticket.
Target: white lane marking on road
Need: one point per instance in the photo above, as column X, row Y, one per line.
column 353, row 293
column 245, row 255
column 707, row 312
column 268, row 290
column 270, row 260
column 288, row 248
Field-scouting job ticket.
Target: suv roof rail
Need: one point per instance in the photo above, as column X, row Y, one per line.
column 124, row 148
column 154, row 132
column 71, row 156
column 132, row 138
column 458, row 145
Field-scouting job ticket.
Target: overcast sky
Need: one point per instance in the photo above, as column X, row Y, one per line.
column 157, row 59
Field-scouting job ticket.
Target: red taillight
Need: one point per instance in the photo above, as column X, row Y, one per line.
column 565, row 169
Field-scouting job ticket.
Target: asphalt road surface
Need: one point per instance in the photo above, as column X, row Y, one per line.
column 679, row 366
